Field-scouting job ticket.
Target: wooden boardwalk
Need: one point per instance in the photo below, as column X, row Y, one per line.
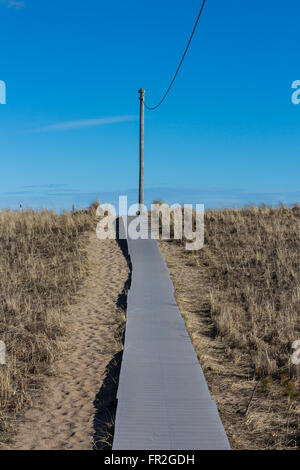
column 163, row 398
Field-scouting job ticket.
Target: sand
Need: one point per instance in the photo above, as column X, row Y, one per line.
column 71, row 413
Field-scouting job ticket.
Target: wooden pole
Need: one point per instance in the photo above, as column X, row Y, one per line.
column 141, row 177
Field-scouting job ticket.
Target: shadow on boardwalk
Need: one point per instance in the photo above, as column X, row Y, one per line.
column 105, row 402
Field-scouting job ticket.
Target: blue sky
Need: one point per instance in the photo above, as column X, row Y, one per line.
column 227, row 135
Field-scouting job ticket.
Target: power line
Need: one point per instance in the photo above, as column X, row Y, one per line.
column 180, row 63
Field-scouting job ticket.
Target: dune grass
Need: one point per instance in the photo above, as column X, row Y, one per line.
column 43, row 261
column 253, row 258
column 242, row 289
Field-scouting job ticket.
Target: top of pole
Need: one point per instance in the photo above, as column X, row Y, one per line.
column 142, row 93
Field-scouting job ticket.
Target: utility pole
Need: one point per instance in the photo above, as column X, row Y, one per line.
column 141, row 179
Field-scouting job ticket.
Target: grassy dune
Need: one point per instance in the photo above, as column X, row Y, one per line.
column 43, row 261
column 239, row 295
column 253, row 258
column 242, row 291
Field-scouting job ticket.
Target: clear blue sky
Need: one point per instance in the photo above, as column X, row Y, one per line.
column 228, row 127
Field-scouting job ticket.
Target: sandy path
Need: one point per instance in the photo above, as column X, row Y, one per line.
column 66, row 418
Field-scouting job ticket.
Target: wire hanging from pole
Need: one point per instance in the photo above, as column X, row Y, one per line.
column 180, row 63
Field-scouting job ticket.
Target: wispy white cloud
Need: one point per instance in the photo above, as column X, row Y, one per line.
column 64, row 126
column 16, row 4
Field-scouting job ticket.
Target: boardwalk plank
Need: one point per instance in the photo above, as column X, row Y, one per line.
column 163, row 398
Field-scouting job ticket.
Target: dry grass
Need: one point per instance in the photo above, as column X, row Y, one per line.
column 253, row 258
column 43, row 262
column 244, row 306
